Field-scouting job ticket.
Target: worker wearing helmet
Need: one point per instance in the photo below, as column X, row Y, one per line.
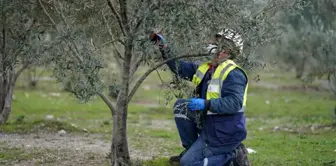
column 211, row 124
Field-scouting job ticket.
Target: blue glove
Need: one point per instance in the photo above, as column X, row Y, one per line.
column 196, row 104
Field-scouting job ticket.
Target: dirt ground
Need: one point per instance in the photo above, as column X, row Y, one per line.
column 54, row 149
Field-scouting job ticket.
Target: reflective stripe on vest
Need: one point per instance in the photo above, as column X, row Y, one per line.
column 200, row 72
column 215, row 85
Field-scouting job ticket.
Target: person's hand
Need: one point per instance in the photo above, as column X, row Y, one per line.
column 196, row 104
column 157, row 37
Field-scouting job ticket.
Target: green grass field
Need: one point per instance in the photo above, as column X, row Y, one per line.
column 285, row 127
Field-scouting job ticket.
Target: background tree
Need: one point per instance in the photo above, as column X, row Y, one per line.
column 86, row 29
column 23, row 43
column 307, row 43
column 33, row 75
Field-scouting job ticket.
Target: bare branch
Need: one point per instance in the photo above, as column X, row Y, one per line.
column 47, row 14
column 76, row 50
column 108, row 102
column 139, row 23
column 118, row 55
column 136, row 65
column 27, row 64
column 149, row 71
column 61, row 13
column 14, row 54
column 118, row 17
column 124, row 17
column 18, row 73
column 3, row 38
column 106, row 43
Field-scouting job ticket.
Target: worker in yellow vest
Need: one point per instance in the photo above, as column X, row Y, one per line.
column 211, row 125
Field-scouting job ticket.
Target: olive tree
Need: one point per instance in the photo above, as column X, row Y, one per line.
column 124, row 26
column 22, row 43
column 305, row 33
column 323, row 62
column 308, row 42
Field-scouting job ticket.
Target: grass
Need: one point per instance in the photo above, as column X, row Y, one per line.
column 285, row 127
column 16, row 154
column 38, row 125
column 281, row 148
column 7, row 153
column 44, row 156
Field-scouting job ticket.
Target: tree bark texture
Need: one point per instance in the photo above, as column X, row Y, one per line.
column 7, row 84
column 119, row 148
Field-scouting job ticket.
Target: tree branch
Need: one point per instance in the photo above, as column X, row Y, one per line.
column 18, row 73
column 135, row 65
column 106, row 43
column 118, row 17
column 149, row 71
column 108, row 102
column 47, row 14
column 60, row 11
column 118, row 55
column 27, row 64
column 76, row 49
column 123, row 15
column 139, row 21
column 3, row 37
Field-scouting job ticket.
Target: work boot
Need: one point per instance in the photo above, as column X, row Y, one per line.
column 176, row 159
column 241, row 158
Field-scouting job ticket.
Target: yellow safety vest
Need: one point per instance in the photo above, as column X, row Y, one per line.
column 215, row 85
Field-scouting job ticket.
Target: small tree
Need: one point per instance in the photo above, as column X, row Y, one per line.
column 125, row 25
column 22, row 43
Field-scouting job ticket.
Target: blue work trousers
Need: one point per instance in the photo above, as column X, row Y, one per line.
column 198, row 154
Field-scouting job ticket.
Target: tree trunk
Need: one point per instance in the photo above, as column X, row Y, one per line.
column 6, row 94
column 300, row 68
column 335, row 116
column 119, row 148
column 6, row 107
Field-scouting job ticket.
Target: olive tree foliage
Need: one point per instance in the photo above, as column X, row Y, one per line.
column 308, row 42
column 90, row 31
column 324, row 59
column 322, row 62
column 309, row 45
column 188, row 32
column 22, row 43
column 302, row 33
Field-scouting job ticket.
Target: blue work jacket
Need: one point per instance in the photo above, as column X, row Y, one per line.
column 226, row 130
